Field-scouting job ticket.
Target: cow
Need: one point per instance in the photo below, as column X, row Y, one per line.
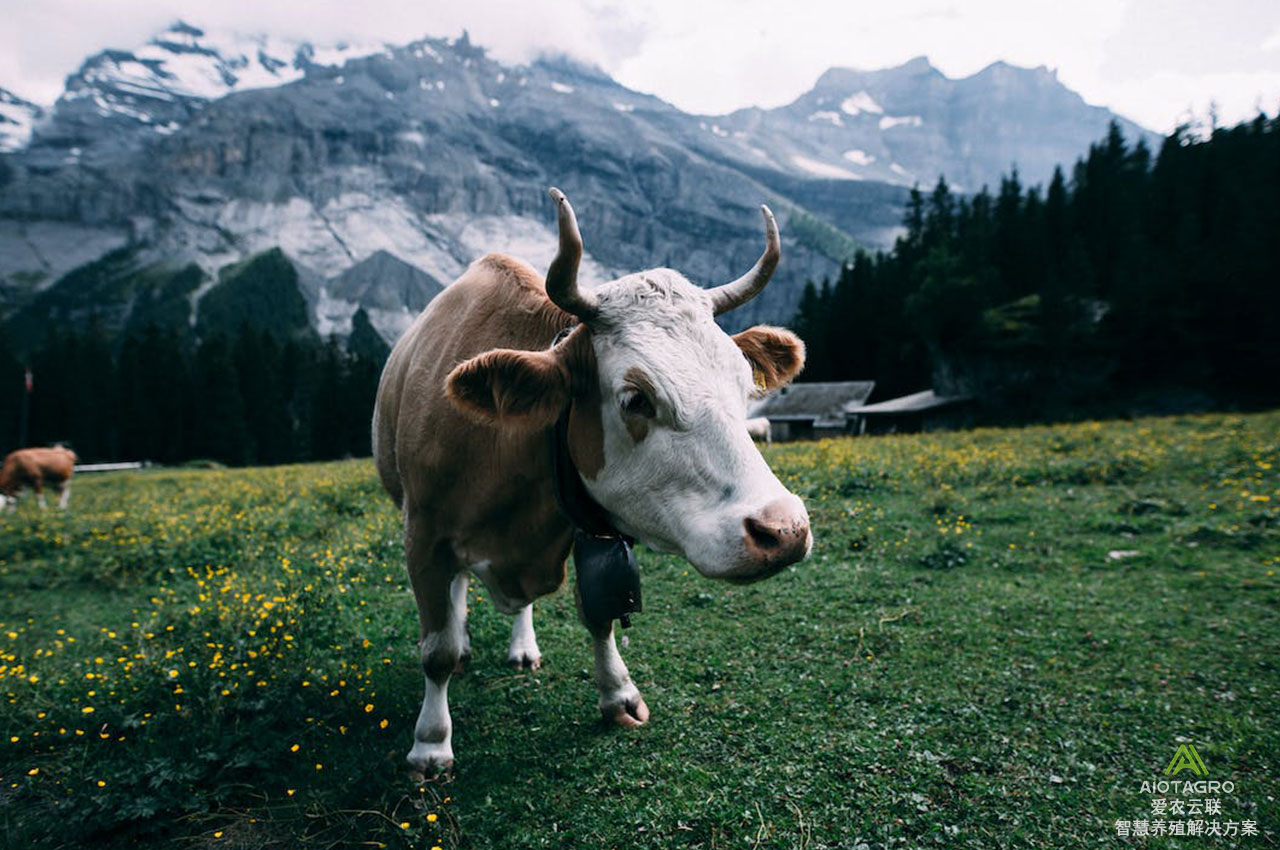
column 759, row 429
column 34, row 468
column 650, row 395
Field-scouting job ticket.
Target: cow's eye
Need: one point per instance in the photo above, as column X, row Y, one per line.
column 636, row 403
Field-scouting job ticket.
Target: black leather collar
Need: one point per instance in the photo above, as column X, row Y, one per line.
column 583, row 511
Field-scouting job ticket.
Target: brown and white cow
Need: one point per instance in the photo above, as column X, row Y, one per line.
column 33, row 469
column 656, row 397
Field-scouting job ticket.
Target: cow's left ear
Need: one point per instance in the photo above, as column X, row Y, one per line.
column 776, row 355
column 505, row 386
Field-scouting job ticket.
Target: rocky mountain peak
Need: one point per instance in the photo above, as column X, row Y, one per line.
column 379, row 173
column 18, row 118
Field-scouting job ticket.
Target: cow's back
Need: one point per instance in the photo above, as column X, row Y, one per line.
column 427, row 452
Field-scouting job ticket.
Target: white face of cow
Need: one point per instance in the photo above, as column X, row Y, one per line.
column 680, row 471
column 658, row 409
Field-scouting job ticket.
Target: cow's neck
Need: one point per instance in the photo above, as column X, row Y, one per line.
column 583, row 511
column 608, row 578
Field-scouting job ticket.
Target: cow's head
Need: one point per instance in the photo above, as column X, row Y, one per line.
column 657, row 395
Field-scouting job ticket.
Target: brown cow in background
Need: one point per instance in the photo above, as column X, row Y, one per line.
column 33, row 469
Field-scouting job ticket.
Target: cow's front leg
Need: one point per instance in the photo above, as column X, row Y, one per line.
column 442, row 604
column 64, row 496
column 620, row 700
column 523, row 653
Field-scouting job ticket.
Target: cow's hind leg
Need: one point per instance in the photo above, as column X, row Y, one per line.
column 523, row 653
column 440, row 587
column 458, row 590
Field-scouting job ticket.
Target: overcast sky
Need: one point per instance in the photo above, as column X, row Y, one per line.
column 1155, row 61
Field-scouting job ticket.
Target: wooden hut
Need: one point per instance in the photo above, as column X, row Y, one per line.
column 812, row 411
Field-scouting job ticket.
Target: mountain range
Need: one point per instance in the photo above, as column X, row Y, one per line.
column 375, row 174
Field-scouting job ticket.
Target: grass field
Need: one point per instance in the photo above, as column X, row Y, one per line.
column 1000, row 636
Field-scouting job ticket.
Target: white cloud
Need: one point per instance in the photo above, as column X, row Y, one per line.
column 1148, row 59
column 1165, row 99
column 41, row 43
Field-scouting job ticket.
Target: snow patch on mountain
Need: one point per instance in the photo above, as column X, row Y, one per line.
column 888, row 122
column 858, row 157
column 823, row 169
column 856, row 104
column 828, row 116
column 185, row 64
column 339, row 54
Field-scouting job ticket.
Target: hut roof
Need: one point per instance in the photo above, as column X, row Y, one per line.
column 823, row 403
column 925, row 400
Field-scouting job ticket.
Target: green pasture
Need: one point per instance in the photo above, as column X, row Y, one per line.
column 1000, row 636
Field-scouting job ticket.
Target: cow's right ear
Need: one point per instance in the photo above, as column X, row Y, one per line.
column 508, row 387
column 776, row 355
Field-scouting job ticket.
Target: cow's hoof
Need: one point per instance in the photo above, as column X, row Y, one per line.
column 525, row 659
column 626, row 709
column 431, row 759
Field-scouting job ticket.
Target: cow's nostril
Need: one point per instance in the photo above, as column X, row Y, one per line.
column 766, row 538
column 776, row 536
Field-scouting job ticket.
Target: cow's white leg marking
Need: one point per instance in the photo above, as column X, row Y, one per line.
column 65, row 497
column 523, row 653
column 620, row 700
column 432, row 749
column 441, row 652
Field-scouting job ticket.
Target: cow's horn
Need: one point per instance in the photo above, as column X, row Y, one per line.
column 562, row 277
column 725, row 298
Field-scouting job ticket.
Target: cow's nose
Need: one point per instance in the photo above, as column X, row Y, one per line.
column 778, row 534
